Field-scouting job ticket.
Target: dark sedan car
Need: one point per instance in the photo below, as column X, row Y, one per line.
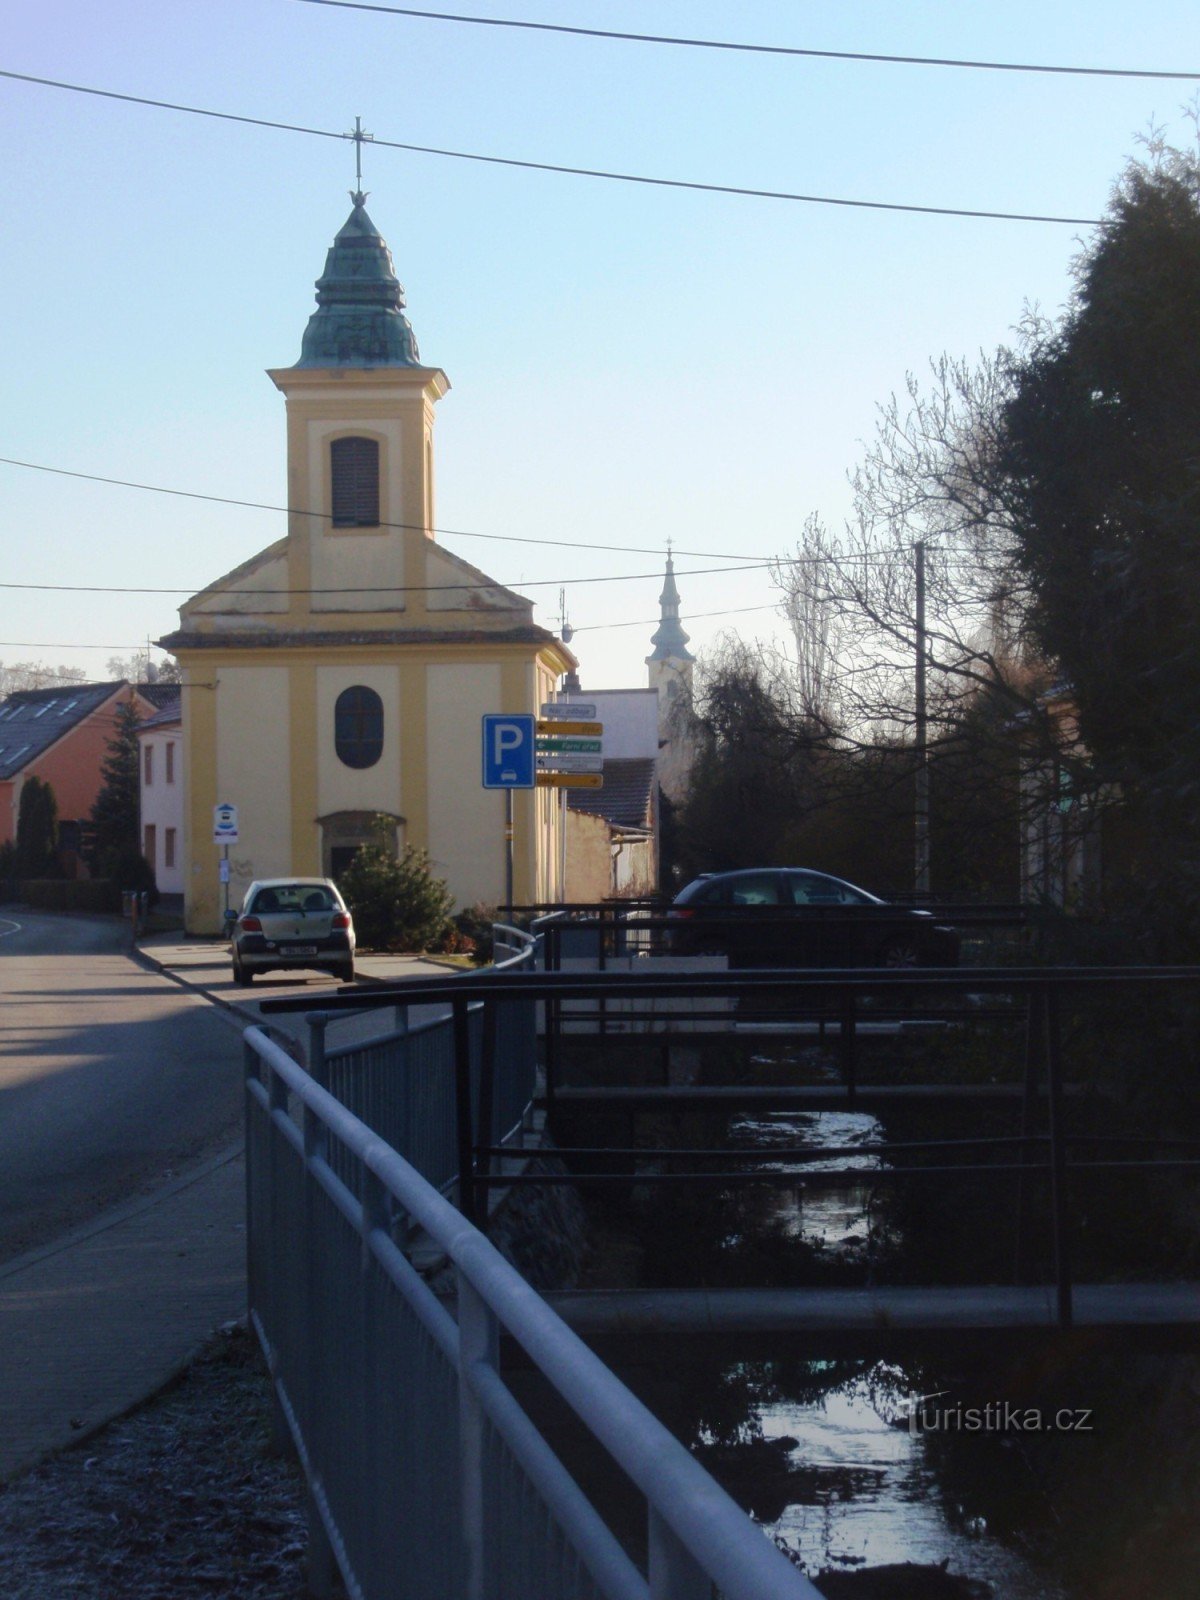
column 792, row 917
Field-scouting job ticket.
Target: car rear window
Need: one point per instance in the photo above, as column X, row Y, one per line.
column 293, row 897
column 762, row 889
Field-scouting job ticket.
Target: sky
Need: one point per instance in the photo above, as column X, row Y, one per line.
column 629, row 364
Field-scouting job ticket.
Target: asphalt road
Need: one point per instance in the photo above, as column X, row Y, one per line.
column 112, row 1077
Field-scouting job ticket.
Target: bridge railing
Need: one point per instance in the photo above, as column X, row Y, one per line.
column 1043, row 1146
column 426, row 1477
column 406, row 1084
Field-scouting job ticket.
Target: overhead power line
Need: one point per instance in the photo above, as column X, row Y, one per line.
column 650, row 622
column 326, row 516
column 742, row 47
column 587, row 627
column 385, row 588
column 690, row 185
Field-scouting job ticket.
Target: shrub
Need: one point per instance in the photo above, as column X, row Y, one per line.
column 475, row 926
column 396, row 901
column 129, row 869
column 70, row 894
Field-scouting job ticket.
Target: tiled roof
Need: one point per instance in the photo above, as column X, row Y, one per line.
column 158, row 694
column 626, row 799
column 168, row 715
column 32, row 719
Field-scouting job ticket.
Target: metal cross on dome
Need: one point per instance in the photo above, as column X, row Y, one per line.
column 360, row 138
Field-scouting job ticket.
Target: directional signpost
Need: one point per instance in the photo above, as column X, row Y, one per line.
column 570, row 755
column 508, row 751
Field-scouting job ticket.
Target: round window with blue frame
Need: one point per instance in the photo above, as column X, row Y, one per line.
column 358, row 726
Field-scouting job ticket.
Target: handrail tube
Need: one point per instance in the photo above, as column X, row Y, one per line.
column 831, row 1175
column 578, row 986
column 694, row 1506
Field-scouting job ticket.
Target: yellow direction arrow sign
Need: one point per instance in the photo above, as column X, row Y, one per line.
column 591, row 730
column 570, row 780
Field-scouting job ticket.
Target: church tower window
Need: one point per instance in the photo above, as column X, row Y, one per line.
column 354, row 468
column 358, row 727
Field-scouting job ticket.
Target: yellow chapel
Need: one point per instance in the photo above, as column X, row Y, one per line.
column 343, row 673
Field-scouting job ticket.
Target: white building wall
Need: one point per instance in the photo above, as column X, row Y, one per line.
column 630, row 718
column 161, row 802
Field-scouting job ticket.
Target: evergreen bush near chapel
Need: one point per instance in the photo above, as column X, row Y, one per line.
column 396, row 901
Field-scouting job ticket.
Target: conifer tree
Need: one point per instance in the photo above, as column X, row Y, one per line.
column 37, row 831
column 115, row 812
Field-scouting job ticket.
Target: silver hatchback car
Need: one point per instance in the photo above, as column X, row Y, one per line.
column 293, row 922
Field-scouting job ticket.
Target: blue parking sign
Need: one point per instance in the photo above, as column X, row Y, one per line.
column 508, row 748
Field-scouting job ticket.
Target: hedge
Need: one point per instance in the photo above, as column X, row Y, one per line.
column 69, row 894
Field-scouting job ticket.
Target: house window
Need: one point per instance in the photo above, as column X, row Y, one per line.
column 148, row 762
column 358, row 727
column 169, row 845
column 354, row 468
column 170, row 772
column 150, row 842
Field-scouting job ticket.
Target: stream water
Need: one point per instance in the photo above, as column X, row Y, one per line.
column 821, row 1450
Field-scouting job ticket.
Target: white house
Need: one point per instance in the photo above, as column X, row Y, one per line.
column 160, row 742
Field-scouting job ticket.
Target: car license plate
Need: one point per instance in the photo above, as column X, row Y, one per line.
column 303, row 950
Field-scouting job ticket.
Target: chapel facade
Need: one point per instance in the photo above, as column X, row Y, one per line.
column 341, row 675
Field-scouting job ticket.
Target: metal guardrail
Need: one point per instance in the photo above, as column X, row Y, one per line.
column 405, row 1086
column 1038, row 991
column 427, row 1479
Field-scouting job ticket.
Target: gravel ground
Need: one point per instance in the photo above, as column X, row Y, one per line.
column 184, row 1497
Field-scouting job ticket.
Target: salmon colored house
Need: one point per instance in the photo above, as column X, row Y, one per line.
column 60, row 735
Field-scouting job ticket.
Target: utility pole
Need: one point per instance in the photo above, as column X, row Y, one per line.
column 921, row 798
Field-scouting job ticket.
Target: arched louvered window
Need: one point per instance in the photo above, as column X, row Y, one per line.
column 354, row 467
column 358, row 727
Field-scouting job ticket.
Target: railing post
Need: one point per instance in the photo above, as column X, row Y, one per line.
column 488, row 1130
column 1035, row 1038
column 462, row 1110
column 1058, row 1163
column 478, row 1345
column 318, row 1069
column 674, row 1571
column 849, row 1045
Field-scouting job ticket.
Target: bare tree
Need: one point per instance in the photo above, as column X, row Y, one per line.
column 930, row 478
column 19, row 675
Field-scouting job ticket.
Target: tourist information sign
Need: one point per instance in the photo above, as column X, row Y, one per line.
column 559, row 728
column 570, row 747
column 570, row 763
column 569, row 709
column 570, row 780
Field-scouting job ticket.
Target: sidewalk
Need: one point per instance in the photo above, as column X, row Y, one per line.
column 94, row 1323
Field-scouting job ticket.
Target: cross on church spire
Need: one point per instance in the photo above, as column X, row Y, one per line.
column 360, row 138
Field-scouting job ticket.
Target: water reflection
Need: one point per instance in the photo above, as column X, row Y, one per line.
column 861, row 1491
column 834, row 1218
column 824, row 1457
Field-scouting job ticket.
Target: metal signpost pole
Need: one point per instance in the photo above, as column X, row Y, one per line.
column 508, row 855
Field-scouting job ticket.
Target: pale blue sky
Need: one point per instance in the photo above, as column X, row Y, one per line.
column 627, row 363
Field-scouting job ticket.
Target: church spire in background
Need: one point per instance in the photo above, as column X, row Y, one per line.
column 669, row 640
